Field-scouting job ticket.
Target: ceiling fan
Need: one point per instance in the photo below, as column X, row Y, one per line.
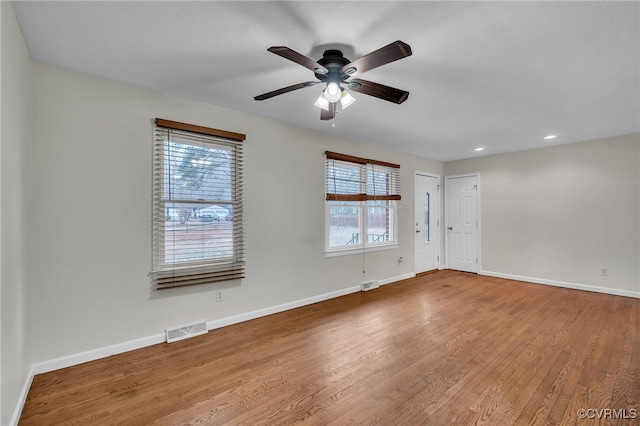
column 335, row 70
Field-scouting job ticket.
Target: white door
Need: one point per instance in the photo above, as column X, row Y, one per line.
column 426, row 215
column 461, row 207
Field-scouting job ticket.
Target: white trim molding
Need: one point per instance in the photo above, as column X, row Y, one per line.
column 397, row 278
column 564, row 284
column 95, row 354
column 22, row 398
column 235, row 319
column 92, row 355
column 360, row 250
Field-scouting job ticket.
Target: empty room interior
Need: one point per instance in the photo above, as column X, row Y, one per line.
column 394, row 213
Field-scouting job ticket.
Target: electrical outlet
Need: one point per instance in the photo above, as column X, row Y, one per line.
column 219, row 297
column 604, row 271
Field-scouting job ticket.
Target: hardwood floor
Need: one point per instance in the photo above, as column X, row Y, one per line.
column 441, row 349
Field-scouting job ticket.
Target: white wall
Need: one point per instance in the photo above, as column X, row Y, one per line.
column 90, row 191
column 560, row 213
column 15, row 142
column 92, row 195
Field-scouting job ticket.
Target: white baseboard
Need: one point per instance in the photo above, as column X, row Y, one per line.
column 235, row 319
column 22, row 398
column 396, row 278
column 95, row 354
column 575, row 286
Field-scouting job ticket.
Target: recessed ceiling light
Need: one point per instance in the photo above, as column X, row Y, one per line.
column 551, row 137
column 480, row 148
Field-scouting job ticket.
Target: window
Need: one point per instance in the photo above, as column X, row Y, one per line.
column 361, row 202
column 427, row 237
column 197, row 205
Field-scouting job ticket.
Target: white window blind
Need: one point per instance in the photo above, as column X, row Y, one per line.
column 350, row 178
column 198, row 233
column 361, row 199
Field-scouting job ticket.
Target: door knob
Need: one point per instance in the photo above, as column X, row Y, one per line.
column 450, row 228
column 417, row 231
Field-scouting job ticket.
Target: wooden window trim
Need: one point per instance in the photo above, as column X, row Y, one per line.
column 209, row 131
column 361, row 197
column 358, row 160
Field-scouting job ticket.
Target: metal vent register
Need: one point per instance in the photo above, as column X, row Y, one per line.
column 186, row 331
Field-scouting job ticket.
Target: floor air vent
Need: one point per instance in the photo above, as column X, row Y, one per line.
column 186, row 331
column 369, row 285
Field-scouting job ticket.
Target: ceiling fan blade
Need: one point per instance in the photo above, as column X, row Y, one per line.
column 378, row 90
column 384, row 55
column 328, row 115
column 298, row 58
column 285, row 90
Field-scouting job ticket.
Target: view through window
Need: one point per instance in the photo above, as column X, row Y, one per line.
column 197, row 212
column 361, row 202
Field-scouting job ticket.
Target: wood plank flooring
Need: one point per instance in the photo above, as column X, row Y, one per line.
column 447, row 348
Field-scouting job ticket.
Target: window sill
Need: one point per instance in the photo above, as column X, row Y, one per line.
column 359, row 250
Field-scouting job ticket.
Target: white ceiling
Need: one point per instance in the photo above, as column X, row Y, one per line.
column 494, row 74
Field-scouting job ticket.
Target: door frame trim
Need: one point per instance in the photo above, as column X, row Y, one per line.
column 478, row 217
column 440, row 212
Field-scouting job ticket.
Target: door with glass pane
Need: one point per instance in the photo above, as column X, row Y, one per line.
column 426, row 222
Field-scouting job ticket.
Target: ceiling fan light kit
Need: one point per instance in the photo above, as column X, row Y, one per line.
column 322, row 102
column 332, row 92
column 334, row 69
column 346, row 99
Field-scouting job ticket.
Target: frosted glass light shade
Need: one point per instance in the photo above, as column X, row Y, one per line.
column 333, row 92
column 322, row 102
column 346, row 99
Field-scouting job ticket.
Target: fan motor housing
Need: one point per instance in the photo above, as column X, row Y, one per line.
column 334, row 61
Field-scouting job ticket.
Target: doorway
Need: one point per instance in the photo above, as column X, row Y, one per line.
column 426, row 218
column 462, row 222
